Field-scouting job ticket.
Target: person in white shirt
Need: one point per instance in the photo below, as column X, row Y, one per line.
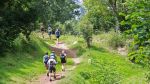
column 52, row 67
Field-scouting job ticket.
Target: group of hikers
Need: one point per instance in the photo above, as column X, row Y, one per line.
column 50, row 32
column 50, row 61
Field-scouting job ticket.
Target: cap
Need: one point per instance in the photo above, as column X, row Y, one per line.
column 52, row 57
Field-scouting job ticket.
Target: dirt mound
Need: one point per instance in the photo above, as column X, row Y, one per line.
column 70, row 53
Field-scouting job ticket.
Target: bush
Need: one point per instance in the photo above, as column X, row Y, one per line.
column 141, row 55
column 116, row 40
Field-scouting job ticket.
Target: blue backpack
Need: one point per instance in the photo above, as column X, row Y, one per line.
column 46, row 59
column 57, row 33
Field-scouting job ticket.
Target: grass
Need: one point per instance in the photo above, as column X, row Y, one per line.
column 104, row 68
column 24, row 62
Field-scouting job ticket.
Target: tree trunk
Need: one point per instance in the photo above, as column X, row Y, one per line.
column 89, row 41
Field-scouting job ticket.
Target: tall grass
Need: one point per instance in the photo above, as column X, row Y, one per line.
column 110, row 39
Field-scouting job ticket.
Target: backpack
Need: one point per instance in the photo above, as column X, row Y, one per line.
column 52, row 64
column 46, row 59
column 62, row 56
column 57, row 33
column 52, row 54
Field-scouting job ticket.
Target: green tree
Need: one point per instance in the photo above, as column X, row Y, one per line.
column 138, row 19
column 87, row 30
column 104, row 14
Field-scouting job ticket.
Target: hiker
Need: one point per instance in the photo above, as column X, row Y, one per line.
column 45, row 59
column 52, row 67
column 49, row 31
column 63, row 59
column 53, row 55
column 57, row 33
column 42, row 30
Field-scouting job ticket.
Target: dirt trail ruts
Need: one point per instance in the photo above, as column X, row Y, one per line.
column 43, row 79
column 61, row 46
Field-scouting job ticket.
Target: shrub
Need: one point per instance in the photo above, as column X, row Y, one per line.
column 116, row 40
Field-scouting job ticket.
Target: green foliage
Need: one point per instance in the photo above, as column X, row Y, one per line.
column 96, row 13
column 148, row 76
column 85, row 75
column 104, row 14
column 137, row 19
column 52, row 11
column 106, row 73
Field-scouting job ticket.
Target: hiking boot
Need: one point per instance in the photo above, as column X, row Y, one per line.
column 48, row 74
column 63, row 70
column 50, row 79
column 54, row 77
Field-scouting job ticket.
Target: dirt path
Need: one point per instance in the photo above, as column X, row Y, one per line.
column 43, row 79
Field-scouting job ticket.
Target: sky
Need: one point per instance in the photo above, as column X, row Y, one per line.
column 79, row 2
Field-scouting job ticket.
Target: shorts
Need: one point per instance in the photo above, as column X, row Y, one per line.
column 49, row 33
column 63, row 60
column 57, row 36
column 52, row 69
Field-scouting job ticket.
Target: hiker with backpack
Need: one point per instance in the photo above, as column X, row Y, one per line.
column 63, row 59
column 53, row 55
column 45, row 59
column 52, row 67
column 49, row 31
column 57, row 33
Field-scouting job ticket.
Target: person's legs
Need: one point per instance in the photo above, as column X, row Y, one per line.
column 47, row 73
column 57, row 39
column 54, row 75
column 49, row 33
column 50, row 74
column 50, row 37
column 63, row 66
column 63, row 69
column 54, row 71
